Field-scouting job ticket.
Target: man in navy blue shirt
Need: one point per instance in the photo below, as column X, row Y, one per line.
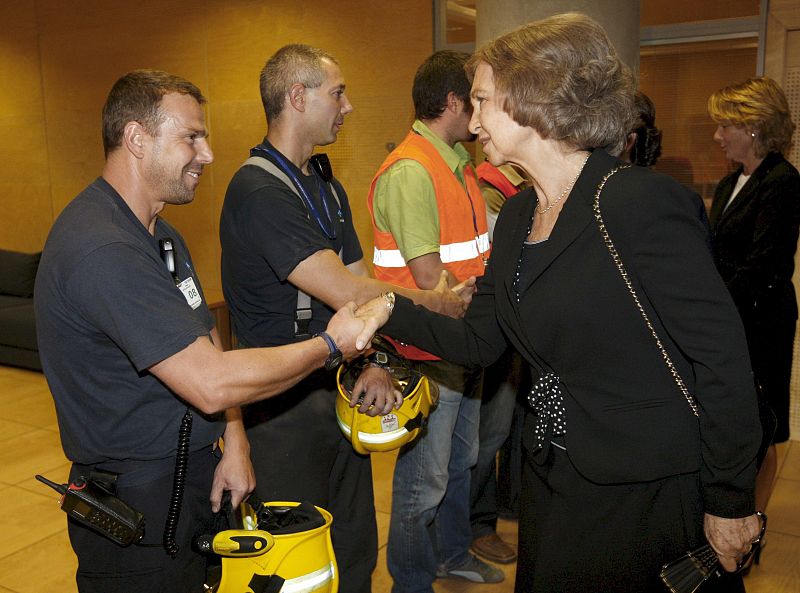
column 129, row 348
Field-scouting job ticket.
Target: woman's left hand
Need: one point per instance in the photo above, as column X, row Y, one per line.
column 731, row 538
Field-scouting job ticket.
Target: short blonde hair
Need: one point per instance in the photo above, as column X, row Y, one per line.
column 562, row 77
column 760, row 106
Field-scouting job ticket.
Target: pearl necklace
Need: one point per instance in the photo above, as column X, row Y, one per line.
column 566, row 189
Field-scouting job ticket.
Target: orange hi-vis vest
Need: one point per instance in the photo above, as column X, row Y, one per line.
column 463, row 233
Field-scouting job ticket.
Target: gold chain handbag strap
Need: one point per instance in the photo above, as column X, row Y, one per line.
column 624, row 273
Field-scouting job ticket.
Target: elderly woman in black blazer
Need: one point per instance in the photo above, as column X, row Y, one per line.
column 754, row 221
column 624, row 469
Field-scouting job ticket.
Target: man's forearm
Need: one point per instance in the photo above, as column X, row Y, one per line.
column 213, row 381
column 427, row 270
column 235, row 435
column 430, row 298
column 363, row 288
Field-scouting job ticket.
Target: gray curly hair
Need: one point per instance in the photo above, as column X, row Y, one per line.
column 562, row 77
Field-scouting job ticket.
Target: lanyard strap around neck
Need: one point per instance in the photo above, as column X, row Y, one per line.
column 302, row 316
column 285, row 168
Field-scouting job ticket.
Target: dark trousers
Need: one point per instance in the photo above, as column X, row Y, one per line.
column 576, row 536
column 104, row 566
column 299, row 454
column 771, row 348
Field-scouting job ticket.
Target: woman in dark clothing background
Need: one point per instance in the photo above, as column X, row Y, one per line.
column 754, row 220
column 644, row 141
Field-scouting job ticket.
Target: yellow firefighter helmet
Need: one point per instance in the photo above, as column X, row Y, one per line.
column 384, row 433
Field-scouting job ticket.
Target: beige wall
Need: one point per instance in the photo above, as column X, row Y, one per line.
column 619, row 18
column 680, row 78
column 58, row 60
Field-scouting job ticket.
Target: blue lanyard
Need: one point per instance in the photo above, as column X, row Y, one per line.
column 309, row 204
column 464, row 171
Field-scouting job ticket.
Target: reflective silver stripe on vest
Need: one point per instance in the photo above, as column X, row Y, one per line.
column 452, row 252
column 388, row 258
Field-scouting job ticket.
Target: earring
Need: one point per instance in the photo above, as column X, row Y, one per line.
column 753, row 134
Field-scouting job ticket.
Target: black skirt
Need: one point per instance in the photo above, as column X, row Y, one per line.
column 577, row 536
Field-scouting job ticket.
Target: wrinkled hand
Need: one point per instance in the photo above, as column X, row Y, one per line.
column 375, row 311
column 730, row 538
column 352, row 333
column 234, row 473
column 378, row 391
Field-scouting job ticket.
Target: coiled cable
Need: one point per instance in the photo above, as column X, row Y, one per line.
column 178, row 483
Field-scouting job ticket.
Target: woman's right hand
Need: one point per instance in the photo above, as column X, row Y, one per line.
column 352, row 328
column 376, row 312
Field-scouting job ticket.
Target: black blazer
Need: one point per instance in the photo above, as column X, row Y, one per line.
column 755, row 239
column 626, row 418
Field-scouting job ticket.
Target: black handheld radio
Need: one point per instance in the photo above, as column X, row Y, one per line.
column 89, row 503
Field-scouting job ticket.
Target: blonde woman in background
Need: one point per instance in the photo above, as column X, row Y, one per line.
column 754, row 220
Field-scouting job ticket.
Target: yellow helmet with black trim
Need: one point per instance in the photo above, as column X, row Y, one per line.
column 270, row 553
column 370, row 434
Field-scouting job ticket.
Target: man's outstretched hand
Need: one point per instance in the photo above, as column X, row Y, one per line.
column 353, row 333
column 454, row 301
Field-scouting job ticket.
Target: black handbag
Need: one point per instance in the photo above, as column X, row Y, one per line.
column 690, row 571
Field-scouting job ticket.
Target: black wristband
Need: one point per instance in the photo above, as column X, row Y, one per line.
column 335, row 357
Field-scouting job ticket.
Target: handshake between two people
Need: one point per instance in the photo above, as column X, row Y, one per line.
column 353, row 327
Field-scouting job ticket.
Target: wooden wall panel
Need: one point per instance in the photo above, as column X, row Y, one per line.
column 659, row 12
column 58, row 59
column 782, row 62
column 24, row 174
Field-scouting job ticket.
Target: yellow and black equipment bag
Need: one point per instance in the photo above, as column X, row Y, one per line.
column 281, row 547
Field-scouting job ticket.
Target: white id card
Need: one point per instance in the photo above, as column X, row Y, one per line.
column 190, row 292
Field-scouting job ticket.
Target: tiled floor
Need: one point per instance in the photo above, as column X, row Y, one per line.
column 35, row 556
